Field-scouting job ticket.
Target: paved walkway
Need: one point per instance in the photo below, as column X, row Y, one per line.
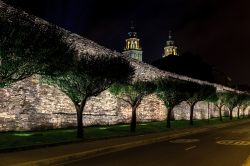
column 58, row 154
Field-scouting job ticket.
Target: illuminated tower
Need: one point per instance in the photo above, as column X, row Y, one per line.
column 170, row 48
column 132, row 47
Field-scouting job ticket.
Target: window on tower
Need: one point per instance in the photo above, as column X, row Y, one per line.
column 128, row 44
column 132, row 45
column 136, row 44
column 174, row 52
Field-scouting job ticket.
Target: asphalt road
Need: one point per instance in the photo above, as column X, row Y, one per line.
column 221, row 147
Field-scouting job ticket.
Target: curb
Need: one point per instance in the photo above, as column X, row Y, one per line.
column 115, row 148
column 22, row 148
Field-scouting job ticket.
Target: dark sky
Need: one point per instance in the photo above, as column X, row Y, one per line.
column 217, row 30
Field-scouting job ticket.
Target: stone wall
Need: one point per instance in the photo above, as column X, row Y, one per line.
column 31, row 105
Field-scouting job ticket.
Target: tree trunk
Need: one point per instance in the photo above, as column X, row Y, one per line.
column 208, row 112
column 191, row 113
column 238, row 113
column 79, row 110
column 231, row 114
column 243, row 113
column 80, row 133
column 169, row 117
column 220, row 113
column 133, row 120
column 134, row 105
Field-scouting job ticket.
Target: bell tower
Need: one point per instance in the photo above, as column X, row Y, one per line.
column 132, row 47
column 170, row 48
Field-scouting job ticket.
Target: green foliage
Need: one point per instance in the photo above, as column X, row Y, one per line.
column 133, row 94
column 90, row 76
column 172, row 92
column 27, row 49
column 218, row 98
column 231, row 100
column 69, row 82
column 246, row 102
column 197, row 92
column 243, row 99
column 133, row 91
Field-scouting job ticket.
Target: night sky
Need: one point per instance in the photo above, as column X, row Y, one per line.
column 217, row 30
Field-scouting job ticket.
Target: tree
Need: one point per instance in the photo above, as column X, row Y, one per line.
column 27, row 49
column 133, row 94
column 89, row 77
column 231, row 101
column 243, row 103
column 196, row 93
column 172, row 92
column 219, row 101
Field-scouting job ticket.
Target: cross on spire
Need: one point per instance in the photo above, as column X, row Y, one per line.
column 170, row 35
column 132, row 27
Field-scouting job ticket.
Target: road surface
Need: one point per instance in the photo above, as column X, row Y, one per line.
column 221, row 147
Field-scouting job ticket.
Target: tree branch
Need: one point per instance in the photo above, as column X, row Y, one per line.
column 127, row 101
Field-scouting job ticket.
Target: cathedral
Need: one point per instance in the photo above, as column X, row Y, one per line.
column 133, row 49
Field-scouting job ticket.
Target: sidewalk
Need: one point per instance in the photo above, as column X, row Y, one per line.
column 58, row 154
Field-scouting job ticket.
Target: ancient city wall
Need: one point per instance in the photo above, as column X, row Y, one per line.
column 31, row 105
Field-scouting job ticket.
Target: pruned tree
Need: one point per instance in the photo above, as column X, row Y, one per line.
column 218, row 99
column 243, row 103
column 133, row 94
column 231, row 101
column 27, row 49
column 172, row 93
column 89, row 77
column 196, row 93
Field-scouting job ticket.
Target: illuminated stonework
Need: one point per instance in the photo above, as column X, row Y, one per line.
column 132, row 48
column 32, row 105
column 170, row 48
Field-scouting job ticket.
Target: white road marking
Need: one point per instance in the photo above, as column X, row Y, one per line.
column 192, row 147
column 234, row 142
column 184, row 140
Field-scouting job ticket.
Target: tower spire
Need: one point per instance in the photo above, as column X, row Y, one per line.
column 132, row 47
column 132, row 32
column 170, row 48
column 132, row 27
column 170, row 35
